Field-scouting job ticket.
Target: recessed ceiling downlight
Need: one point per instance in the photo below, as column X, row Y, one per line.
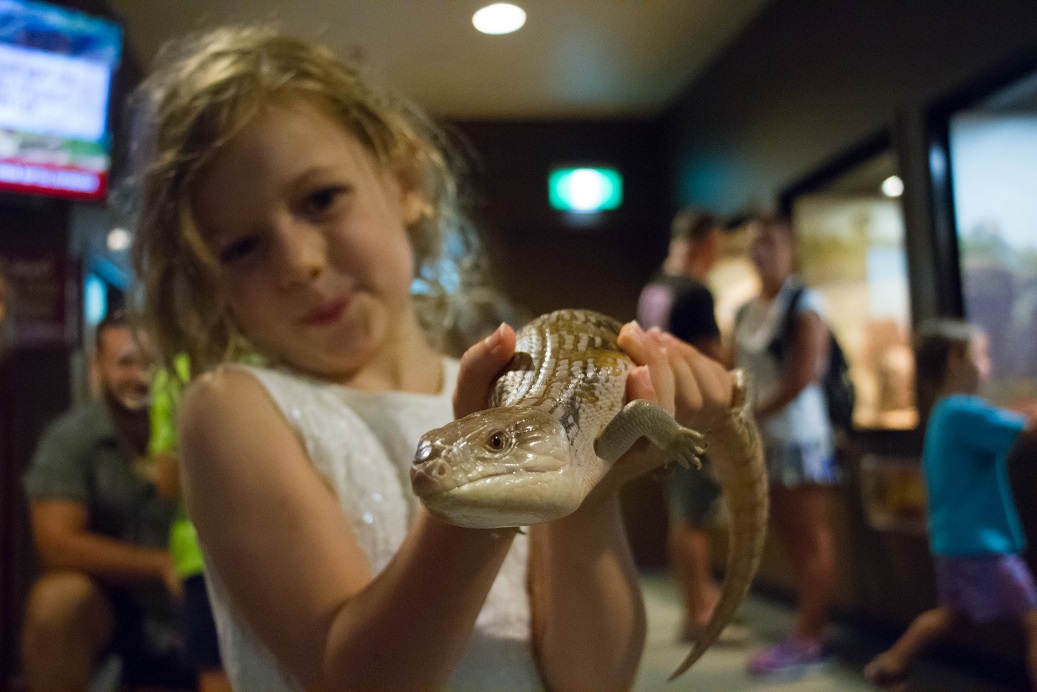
column 499, row 18
column 119, row 239
column 893, row 186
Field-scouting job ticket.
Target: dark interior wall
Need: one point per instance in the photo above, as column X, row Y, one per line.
column 544, row 259
column 807, row 80
column 34, row 388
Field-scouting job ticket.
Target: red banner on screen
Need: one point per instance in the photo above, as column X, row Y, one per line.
column 52, row 180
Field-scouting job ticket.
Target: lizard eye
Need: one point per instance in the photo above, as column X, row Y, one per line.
column 496, row 441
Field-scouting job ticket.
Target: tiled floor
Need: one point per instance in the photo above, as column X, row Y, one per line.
column 722, row 669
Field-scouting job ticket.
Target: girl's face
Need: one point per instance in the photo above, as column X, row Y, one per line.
column 770, row 249
column 969, row 368
column 979, row 365
column 310, row 235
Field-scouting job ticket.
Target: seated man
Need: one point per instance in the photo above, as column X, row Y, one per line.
column 102, row 532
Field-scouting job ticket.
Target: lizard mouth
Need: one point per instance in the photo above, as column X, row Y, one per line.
column 498, row 467
column 512, row 498
column 439, row 476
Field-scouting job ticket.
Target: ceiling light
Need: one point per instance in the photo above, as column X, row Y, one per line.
column 893, row 186
column 499, row 18
column 119, row 239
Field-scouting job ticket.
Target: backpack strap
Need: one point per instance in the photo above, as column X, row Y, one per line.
column 783, row 339
column 740, row 314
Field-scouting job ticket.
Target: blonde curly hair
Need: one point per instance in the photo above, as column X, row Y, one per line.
column 206, row 89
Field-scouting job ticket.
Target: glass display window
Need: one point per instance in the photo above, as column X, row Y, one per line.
column 893, row 494
column 992, row 156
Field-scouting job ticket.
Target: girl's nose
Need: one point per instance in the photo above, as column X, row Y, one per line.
column 301, row 251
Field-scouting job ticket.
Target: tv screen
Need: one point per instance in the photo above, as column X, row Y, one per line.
column 56, row 70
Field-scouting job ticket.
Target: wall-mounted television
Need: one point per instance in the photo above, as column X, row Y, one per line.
column 56, row 72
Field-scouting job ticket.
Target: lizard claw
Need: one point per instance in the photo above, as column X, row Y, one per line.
column 687, row 447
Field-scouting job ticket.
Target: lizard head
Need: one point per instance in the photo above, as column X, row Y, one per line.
column 506, row 466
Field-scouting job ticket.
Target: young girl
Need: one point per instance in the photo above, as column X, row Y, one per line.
column 974, row 531
column 286, row 207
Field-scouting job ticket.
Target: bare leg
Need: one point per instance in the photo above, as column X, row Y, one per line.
column 923, row 630
column 801, row 515
column 68, row 621
column 213, row 681
column 690, row 557
column 1030, row 625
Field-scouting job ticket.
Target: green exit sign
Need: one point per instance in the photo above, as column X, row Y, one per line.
column 585, row 190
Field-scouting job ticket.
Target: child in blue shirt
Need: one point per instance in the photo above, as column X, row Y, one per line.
column 974, row 530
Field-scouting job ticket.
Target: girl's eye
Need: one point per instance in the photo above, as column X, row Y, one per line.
column 321, row 200
column 238, row 250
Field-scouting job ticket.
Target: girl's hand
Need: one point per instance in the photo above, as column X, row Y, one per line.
column 480, row 366
column 670, row 372
column 695, row 389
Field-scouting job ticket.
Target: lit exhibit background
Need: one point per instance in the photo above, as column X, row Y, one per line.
column 994, row 173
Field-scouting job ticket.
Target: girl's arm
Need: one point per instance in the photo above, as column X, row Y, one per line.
column 804, row 364
column 288, row 557
column 589, row 621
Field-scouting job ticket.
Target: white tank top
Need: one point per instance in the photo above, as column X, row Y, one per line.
column 371, row 477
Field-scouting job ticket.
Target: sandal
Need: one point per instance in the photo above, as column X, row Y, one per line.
column 789, row 660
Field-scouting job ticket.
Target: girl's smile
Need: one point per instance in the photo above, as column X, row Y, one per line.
column 327, row 311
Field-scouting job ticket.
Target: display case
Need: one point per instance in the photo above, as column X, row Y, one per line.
column 893, row 494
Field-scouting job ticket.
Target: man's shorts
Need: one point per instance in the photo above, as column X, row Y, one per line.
column 985, row 587
column 150, row 647
column 791, row 464
column 203, row 647
column 694, row 496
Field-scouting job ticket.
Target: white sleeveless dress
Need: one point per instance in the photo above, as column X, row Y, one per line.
column 371, row 477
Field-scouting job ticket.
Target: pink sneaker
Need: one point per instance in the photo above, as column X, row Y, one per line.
column 791, row 658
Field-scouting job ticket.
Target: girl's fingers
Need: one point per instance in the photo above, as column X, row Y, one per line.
column 711, row 380
column 661, row 368
column 689, row 400
column 639, row 385
column 480, row 366
column 646, row 348
column 634, row 342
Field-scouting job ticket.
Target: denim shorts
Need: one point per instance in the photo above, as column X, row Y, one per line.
column 203, row 647
column 985, row 587
column 148, row 644
column 694, row 495
column 791, row 463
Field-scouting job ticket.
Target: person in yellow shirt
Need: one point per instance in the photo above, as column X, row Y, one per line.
column 197, row 625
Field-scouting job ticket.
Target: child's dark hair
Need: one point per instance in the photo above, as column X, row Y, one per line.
column 116, row 319
column 783, row 225
column 935, row 340
column 692, row 225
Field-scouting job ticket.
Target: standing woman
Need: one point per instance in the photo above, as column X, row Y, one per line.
column 781, row 339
